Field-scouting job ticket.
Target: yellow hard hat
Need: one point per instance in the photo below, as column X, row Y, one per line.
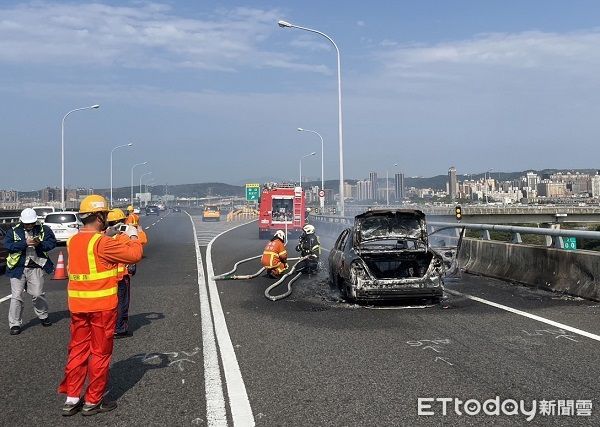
column 129, row 208
column 92, row 204
column 116, row 214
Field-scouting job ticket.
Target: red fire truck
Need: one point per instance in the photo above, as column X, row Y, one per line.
column 282, row 207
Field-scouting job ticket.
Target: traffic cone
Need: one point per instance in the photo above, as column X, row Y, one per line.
column 60, row 273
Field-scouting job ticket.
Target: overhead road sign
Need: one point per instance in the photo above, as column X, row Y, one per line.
column 252, row 192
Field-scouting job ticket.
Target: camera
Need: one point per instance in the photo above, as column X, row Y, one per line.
column 122, row 228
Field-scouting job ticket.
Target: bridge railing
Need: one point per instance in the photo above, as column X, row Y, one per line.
column 554, row 237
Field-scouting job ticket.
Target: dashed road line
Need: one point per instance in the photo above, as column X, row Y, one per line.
column 528, row 315
column 7, row 297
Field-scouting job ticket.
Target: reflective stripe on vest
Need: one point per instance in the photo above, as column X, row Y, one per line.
column 93, row 274
column 92, row 294
column 13, row 258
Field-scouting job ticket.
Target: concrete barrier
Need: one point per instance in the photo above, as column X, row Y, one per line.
column 572, row 272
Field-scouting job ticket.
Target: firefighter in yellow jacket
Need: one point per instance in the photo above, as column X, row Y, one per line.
column 274, row 257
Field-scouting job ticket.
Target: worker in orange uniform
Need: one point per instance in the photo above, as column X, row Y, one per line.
column 274, row 257
column 116, row 230
column 132, row 217
column 94, row 259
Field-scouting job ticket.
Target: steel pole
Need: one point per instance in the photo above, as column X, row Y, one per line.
column 284, row 24
column 62, row 153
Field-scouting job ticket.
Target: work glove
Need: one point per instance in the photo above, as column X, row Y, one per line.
column 131, row 231
column 112, row 231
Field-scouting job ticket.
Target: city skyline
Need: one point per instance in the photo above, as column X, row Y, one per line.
column 203, row 92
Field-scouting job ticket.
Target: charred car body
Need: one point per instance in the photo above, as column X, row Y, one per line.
column 386, row 255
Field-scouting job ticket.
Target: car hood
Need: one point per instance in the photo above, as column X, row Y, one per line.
column 390, row 224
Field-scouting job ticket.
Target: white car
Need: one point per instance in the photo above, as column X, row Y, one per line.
column 63, row 224
column 42, row 211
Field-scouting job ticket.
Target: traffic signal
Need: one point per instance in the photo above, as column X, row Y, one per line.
column 458, row 212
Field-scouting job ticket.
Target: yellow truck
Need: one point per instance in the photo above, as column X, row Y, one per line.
column 211, row 213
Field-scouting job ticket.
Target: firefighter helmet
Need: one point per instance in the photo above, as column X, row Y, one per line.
column 116, row 214
column 92, row 204
column 309, row 229
column 279, row 234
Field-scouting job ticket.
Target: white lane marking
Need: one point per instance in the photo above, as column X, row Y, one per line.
column 525, row 314
column 147, row 228
column 241, row 411
column 7, row 297
column 216, row 414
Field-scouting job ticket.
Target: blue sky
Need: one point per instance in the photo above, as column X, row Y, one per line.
column 214, row 91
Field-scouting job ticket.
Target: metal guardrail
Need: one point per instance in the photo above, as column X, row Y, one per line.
column 554, row 236
column 9, row 219
column 486, row 209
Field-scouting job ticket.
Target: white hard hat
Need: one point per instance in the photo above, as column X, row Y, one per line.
column 28, row 216
column 280, row 235
column 309, row 229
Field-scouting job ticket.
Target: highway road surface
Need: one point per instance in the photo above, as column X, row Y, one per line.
column 215, row 353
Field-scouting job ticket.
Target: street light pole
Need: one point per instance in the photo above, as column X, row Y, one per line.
column 284, row 24
column 132, row 168
column 306, row 155
column 111, row 169
column 141, row 176
column 62, row 153
column 322, row 163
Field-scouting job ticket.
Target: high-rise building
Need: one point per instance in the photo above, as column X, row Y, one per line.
column 452, row 183
column 399, row 186
column 374, row 185
column 364, row 190
column 532, row 180
column 596, row 186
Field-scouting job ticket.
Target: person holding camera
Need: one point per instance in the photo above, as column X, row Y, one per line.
column 116, row 229
column 94, row 260
column 28, row 244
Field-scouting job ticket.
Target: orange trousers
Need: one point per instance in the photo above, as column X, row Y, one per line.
column 89, row 353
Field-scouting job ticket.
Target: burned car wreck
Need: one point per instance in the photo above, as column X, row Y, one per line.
column 386, row 256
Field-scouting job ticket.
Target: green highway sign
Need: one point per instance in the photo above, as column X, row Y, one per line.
column 252, row 192
column 570, row 243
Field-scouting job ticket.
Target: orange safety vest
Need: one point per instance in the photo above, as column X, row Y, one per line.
column 92, row 287
column 274, row 254
column 132, row 219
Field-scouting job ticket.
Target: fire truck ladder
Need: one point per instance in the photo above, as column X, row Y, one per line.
column 298, row 210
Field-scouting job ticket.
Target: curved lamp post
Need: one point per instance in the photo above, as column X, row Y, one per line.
column 284, row 24
column 322, row 167
column 62, row 153
column 132, row 168
column 306, row 155
column 111, row 169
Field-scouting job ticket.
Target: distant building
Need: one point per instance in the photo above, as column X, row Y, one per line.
column 595, row 186
column 547, row 188
column 452, row 183
column 364, row 190
column 399, row 186
column 374, row 184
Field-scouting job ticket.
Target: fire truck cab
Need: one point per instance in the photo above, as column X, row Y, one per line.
column 281, row 207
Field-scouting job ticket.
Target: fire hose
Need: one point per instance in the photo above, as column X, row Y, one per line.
column 229, row 276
